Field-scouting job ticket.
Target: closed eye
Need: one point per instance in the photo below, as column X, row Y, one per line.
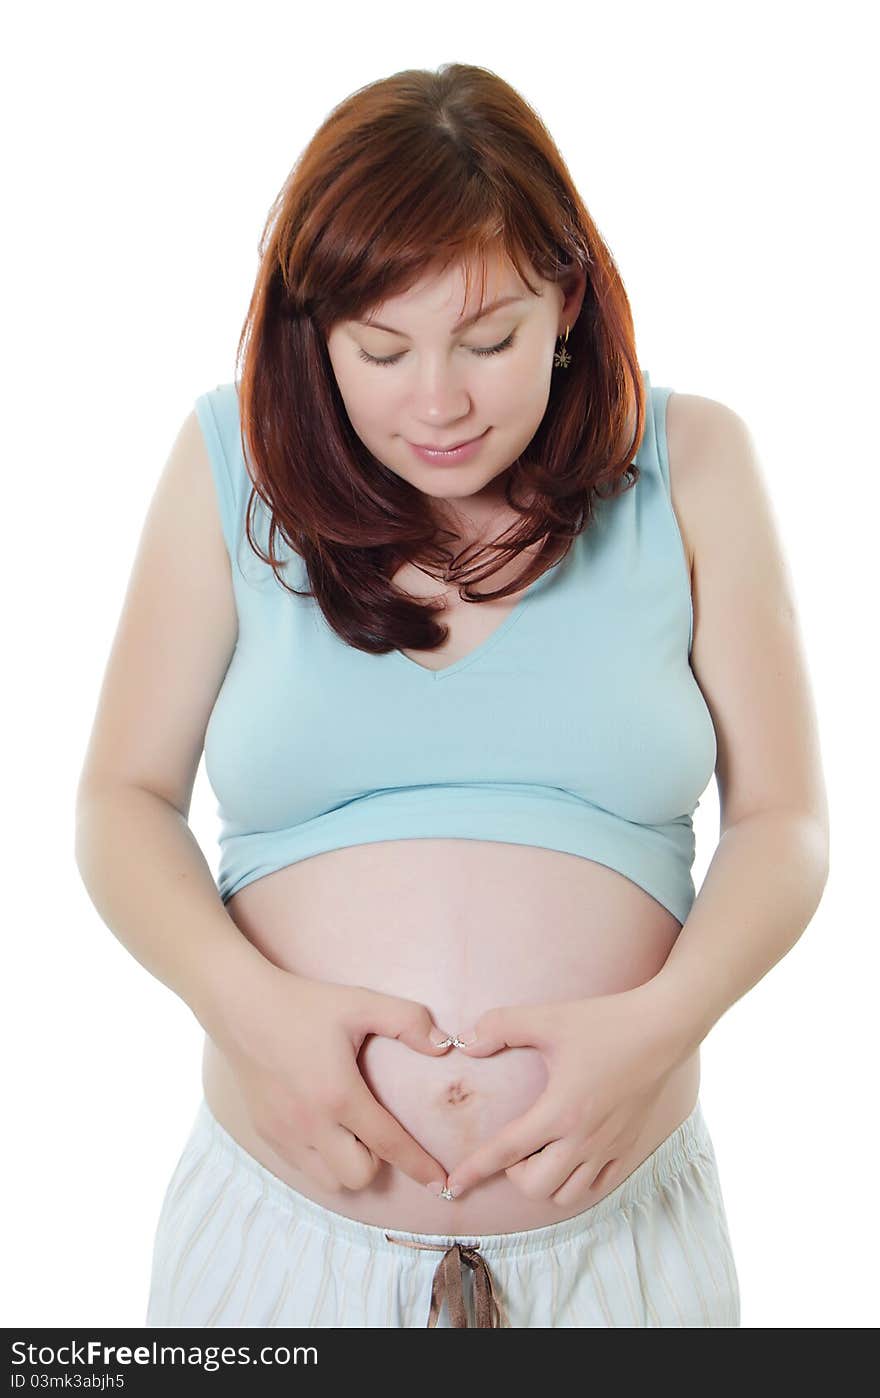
column 492, row 349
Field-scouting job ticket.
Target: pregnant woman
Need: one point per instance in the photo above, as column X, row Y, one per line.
column 422, row 585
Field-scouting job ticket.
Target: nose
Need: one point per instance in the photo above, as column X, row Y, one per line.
column 440, row 397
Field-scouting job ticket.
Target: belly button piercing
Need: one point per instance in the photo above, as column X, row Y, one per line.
column 459, row 1043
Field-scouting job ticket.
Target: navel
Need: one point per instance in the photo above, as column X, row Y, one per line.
column 456, row 1093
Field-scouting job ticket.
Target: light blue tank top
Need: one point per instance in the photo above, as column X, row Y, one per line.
column 577, row 725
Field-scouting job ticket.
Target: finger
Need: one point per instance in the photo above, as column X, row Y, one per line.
column 406, row 1020
column 307, row 1159
column 518, row 1139
column 353, row 1162
column 314, row 1165
column 507, row 1026
column 381, row 1132
column 583, row 1180
column 541, row 1174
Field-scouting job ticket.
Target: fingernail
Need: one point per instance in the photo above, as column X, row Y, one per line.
column 435, row 1187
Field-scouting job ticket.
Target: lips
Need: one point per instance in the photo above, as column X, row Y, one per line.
column 451, row 446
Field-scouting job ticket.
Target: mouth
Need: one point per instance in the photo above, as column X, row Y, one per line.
column 462, row 451
column 454, row 446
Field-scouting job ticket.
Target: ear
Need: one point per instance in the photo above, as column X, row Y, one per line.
column 575, row 286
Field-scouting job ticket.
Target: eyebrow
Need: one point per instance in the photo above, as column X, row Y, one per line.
column 462, row 324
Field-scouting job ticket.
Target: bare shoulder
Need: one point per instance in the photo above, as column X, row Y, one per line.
column 175, row 637
column 708, row 445
column 748, row 656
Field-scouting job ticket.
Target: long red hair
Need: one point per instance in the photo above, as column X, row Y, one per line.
column 413, row 172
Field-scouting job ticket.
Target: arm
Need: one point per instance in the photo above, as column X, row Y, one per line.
column 138, row 858
column 150, row 883
column 760, row 892
column 766, row 878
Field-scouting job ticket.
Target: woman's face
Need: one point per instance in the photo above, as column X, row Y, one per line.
column 444, row 381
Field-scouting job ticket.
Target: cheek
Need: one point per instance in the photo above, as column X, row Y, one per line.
column 522, row 390
column 522, row 404
column 367, row 405
column 380, row 415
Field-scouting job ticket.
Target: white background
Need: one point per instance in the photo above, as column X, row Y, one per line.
column 725, row 154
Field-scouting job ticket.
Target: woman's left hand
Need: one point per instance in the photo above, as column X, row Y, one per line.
column 609, row 1058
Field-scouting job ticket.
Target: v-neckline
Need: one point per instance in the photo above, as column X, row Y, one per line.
column 492, row 639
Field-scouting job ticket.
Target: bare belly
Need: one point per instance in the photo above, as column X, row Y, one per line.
column 461, row 926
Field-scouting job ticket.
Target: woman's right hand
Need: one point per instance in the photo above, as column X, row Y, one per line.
column 296, row 1068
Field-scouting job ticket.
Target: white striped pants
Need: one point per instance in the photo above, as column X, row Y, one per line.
column 237, row 1246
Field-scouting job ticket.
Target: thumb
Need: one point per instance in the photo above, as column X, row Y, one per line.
column 408, row 1021
column 505, row 1027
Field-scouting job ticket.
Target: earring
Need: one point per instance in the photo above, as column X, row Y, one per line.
column 562, row 358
